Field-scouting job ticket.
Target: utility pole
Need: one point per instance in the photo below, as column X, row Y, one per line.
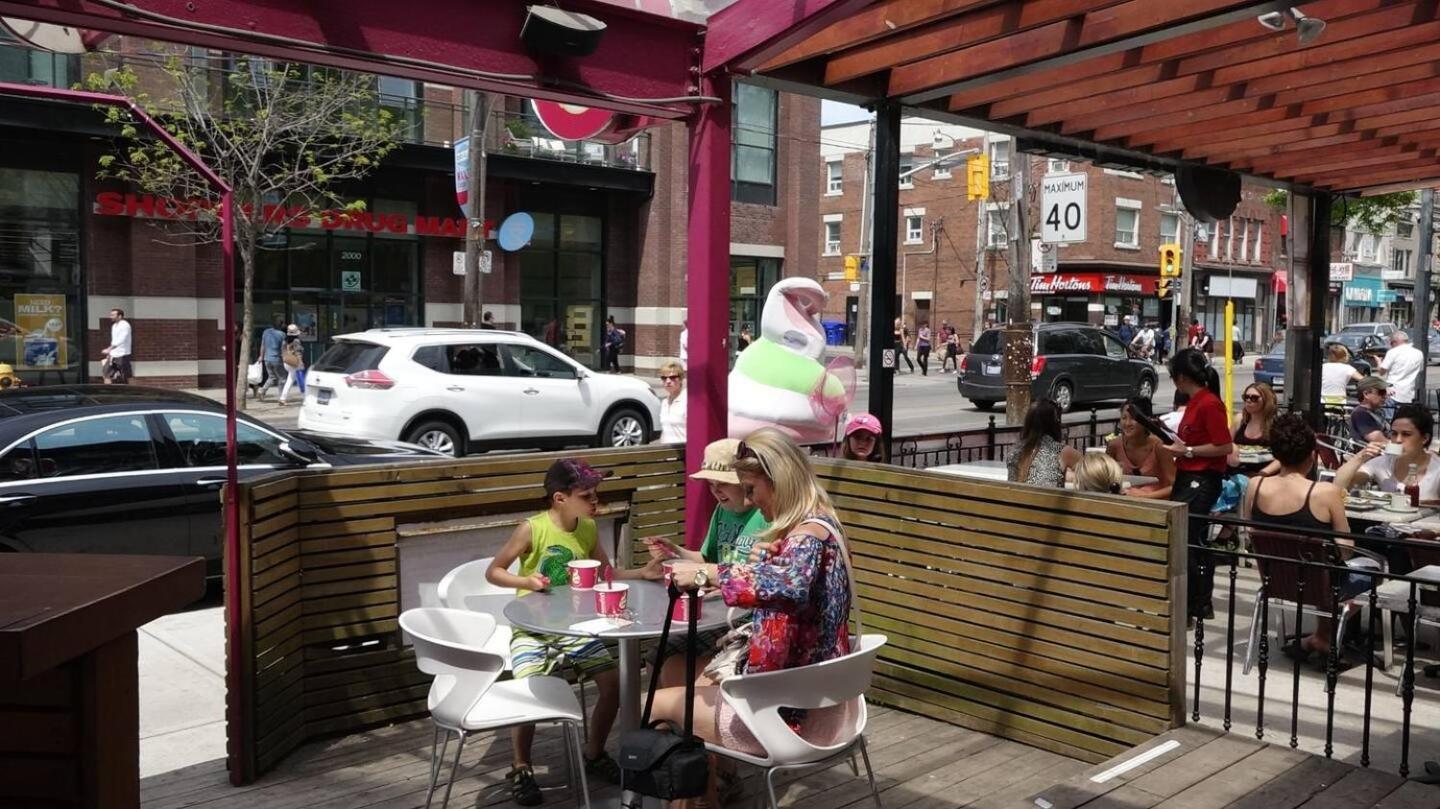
column 1019, row 333
column 1422, row 285
column 862, row 318
column 475, row 231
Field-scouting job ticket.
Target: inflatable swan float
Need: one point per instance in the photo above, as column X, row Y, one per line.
column 780, row 381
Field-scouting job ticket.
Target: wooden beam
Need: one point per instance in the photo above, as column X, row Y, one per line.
column 1265, row 164
column 962, row 31
column 1399, row 172
column 884, row 19
column 1424, row 182
column 1050, row 47
column 1272, row 148
column 749, row 33
column 1322, row 161
column 1245, row 131
column 1265, row 53
column 1383, row 71
column 1284, row 130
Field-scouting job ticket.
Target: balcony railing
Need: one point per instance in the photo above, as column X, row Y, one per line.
column 517, row 133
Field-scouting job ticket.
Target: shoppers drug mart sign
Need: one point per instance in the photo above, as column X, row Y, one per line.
column 148, row 206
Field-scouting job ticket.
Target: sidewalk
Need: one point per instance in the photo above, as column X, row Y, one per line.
column 182, row 690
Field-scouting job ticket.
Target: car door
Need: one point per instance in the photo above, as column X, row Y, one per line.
column 555, row 402
column 470, row 382
column 193, row 443
column 92, row 485
column 1064, row 362
column 1121, row 373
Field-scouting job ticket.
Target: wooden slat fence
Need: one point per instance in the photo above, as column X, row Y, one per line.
column 322, row 652
column 1037, row 615
column 1034, row 614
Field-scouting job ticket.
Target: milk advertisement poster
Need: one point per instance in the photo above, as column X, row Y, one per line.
column 41, row 319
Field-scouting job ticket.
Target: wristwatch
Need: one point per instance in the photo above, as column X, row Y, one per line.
column 1189, row 452
column 702, row 579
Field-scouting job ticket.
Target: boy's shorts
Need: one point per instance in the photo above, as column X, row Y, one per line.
column 533, row 655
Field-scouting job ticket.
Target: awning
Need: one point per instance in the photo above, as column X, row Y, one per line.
column 1280, row 282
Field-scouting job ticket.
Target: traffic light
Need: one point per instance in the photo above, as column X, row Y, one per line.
column 1165, row 288
column 977, row 177
column 1169, row 261
column 852, row 268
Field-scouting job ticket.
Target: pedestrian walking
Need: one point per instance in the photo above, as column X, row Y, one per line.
column 271, row 341
column 614, row 342
column 292, row 355
column 118, row 352
column 487, row 320
column 952, row 352
column 902, row 345
column 922, row 349
column 1401, row 368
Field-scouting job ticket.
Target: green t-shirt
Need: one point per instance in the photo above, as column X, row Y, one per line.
column 731, row 535
column 552, row 548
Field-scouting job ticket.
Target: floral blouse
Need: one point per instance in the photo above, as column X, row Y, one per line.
column 799, row 598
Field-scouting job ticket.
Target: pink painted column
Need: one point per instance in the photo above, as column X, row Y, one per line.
column 707, row 294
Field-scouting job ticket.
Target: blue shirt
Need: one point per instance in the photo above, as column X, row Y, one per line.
column 271, row 341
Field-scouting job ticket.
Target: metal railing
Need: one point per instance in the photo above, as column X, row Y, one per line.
column 1310, row 558
column 518, row 133
column 989, row 443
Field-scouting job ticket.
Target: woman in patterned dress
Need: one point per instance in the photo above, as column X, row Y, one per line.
column 798, row 591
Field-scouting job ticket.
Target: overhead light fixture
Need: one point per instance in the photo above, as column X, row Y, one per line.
column 1308, row 28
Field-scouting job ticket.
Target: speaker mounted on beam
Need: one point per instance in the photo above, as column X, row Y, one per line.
column 555, row 32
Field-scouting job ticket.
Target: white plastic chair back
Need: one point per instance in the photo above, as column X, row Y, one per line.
column 449, row 644
column 466, row 588
column 758, row 698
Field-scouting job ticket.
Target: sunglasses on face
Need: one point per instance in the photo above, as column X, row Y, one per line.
column 669, row 379
column 1251, row 397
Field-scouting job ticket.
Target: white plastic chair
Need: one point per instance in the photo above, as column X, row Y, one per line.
column 467, row 695
column 758, row 698
column 466, row 588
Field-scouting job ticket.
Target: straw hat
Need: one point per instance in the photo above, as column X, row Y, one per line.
column 719, row 462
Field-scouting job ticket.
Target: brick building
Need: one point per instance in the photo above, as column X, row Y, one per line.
column 609, row 239
column 953, row 262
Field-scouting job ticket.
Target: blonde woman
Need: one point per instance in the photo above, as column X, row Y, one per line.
column 1098, row 472
column 672, row 407
column 798, row 590
column 1336, row 374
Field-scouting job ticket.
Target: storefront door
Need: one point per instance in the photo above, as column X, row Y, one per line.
column 561, row 273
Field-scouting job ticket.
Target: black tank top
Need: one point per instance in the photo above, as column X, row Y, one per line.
column 1301, row 517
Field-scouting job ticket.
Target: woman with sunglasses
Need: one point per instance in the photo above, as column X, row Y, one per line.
column 799, row 594
column 1139, row 452
column 1257, row 413
column 1203, row 443
column 672, row 408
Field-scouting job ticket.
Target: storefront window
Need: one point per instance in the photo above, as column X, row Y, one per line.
column 750, row 283
column 561, row 274
column 40, row 317
column 752, row 155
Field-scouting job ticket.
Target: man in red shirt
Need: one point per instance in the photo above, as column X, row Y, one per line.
column 1202, row 444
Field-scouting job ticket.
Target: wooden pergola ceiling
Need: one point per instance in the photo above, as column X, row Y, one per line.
column 1357, row 110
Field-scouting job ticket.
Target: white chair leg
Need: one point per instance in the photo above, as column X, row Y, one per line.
column 577, row 760
column 454, row 768
column 1340, row 627
column 435, row 762
column 770, row 787
column 869, row 772
column 584, row 709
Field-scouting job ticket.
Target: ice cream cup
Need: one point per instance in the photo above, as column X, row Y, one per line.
column 583, row 573
column 681, row 611
column 610, row 598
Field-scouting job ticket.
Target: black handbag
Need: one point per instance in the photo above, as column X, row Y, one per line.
column 658, row 762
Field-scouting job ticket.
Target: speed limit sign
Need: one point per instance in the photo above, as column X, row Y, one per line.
column 1062, row 208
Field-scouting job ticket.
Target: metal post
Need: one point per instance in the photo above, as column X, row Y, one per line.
column 1421, row 332
column 475, row 232
column 1019, row 333
column 862, row 322
column 707, row 295
column 1307, row 356
column 884, row 245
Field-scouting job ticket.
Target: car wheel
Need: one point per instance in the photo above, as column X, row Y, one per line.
column 437, row 435
column 1146, row 390
column 624, row 428
column 983, row 405
column 1063, row 395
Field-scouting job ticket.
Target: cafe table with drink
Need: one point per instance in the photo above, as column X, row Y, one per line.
column 1392, row 482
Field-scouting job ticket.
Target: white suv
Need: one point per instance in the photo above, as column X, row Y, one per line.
column 460, row 390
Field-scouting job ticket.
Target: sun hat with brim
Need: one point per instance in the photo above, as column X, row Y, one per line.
column 1371, row 383
column 719, row 462
column 865, row 422
column 293, row 330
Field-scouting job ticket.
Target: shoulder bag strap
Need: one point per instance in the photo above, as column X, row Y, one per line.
column 849, row 569
column 692, row 652
column 660, row 659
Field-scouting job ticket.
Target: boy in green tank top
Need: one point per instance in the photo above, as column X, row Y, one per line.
column 545, row 544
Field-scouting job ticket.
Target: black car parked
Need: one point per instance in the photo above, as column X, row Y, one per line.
column 127, row 469
column 1075, row 363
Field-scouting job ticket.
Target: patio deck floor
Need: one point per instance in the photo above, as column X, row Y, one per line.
column 919, row 764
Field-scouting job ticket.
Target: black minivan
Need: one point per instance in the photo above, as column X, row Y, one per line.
column 1075, row 363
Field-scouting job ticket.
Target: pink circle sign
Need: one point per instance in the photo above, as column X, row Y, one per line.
column 571, row 121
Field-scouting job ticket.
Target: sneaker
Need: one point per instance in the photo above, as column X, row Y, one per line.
column 603, row 767
column 523, row 789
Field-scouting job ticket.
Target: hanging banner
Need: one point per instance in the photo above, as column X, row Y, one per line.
column 462, row 175
column 41, row 320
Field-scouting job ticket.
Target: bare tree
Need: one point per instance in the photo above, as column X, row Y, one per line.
column 285, row 136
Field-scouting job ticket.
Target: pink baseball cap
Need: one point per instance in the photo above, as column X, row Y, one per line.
column 863, row 421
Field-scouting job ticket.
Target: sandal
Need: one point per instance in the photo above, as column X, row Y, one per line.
column 603, row 767
column 523, row 789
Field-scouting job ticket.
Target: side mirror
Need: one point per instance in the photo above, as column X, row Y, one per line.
column 300, row 451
